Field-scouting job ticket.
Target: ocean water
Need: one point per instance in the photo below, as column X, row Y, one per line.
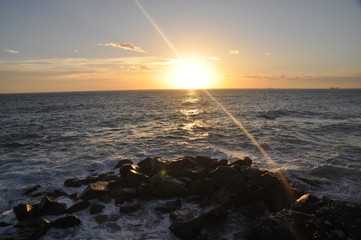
column 313, row 136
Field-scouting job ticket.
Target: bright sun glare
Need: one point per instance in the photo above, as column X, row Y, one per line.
column 192, row 75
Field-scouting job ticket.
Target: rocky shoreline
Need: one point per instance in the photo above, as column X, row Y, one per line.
column 273, row 209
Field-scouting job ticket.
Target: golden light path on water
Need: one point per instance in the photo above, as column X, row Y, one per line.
column 284, row 180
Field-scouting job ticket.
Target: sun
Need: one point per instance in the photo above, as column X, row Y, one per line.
column 191, row 75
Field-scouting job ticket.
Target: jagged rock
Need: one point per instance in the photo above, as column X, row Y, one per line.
column 204, row 187
column 169, row 206
column 206, row 161
column 214, row 214
column 285, row 225
column 195, row 173
column 26, row 211
column 76, row 182
column 222, row 162
column 222, row 197
column 4, row 224
column 255, row 208
column 188, row 230
column 66, row 222
column 31, row 229
column 146, row 165
column 106, row 177
column 123, row 192
column 135, row 178
column 79, row 206
column 222, row 172
column 129, row 208
column 125, row 169
column 74, row 196
column 233, row 182
column 49, row 206
column 31, row 190
column 95, row 190
column 250, row 173
column 309, row 204
column 245, row 162
column 159, row 164
column 57, row 193
column 144, row 191
column 170, row 187
column 96, row 208
column 122, row 162
column 181, row 215
column 175, row 167
column 121, row 183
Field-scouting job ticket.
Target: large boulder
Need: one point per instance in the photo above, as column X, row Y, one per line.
column 245, row 162
column 182, row 215
column 204, row 187
column 26, row 211
column 146, row 165
column 170, row 187
column 222, row 172
column 66, row 222
column 30, row 229
column 129, row 208
column 96, row 208
column 135, row 178
column 187, row 230
column 95, row 190
column 169, row 206
column 84, row 204
column 309, row 203
column 49, row 206
column 122, row 162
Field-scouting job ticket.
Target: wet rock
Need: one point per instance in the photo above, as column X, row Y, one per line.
column 250, row 173
column 146, row 165
column 129, row 208
column 120, row 183
column 254, row 209
column 170, row 187
column 182, row 215
column 204, row 187
column 309, row 204
column 159, row 164
column 122, row 162
column 124, row 192
column 188, row 230
column 96, row 208
column 175, row 167
column 206, row 161
column 74, row 196
column 79, row 206
column 285, row 225
column 222, row 197
column 135, row 178
column 144, row 191
column 25, row 211
column 169, row 206
column 103, row 218
column 195, row 173
column 4, row 224
column 76, row 182
column 233, row 182
column 49, row 206
column 222, row 162
column 31, row 229
column 125, row 169
column 94, row 190
column 222, row 172
column 66, row 222
column 106, row 177
column 57, row 193
column 245, row 162
column 214, row 214
column 31, row 190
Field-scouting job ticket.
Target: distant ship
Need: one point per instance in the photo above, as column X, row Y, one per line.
column 333, row 87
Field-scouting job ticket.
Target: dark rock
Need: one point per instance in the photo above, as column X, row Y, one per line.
column 175, row 167
column 195, row 173
column 4, row 224
column 144, row 191
column 66, row 222
column 135, row 178
column 204, row 187
column 125, row 169
column 146, row 165
column 182, row 215
column 246, row 162
column 49, row 206
column 105, row 198
column 96, row 208
column 31, row 229
column 233, row 182
column 129, row 208
column 206, row 161
column 103, row 218
column 214, row 214
column 94, row 190
column 123, row 192
column 38, row 194
column 169, row 206
column 121, row 183
column 57, row 193
column 222, row 172
column 76, row 182
column 122, row 162
column 268, row 180
column 31, row 190
column 170, row 187
column 159, row 165
column 79, row 206
column 253, row 209
column 188, row 230
column 250, row 173
column 74, row 196
column 25, row 211
column 222, row 162
column 309, row 204
column 222, row 197
column 285, row 225
column 106, row 177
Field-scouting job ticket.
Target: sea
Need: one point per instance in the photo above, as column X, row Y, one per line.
column 312, row 136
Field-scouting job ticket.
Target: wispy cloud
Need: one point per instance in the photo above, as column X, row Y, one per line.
column 125, row 46
column 234, row 52
column 76, row 51
column 10, row 50
column 214, row 58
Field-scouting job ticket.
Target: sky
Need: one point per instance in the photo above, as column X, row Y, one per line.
column 90, row 45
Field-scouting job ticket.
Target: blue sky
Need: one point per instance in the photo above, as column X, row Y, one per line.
column 79, row 45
